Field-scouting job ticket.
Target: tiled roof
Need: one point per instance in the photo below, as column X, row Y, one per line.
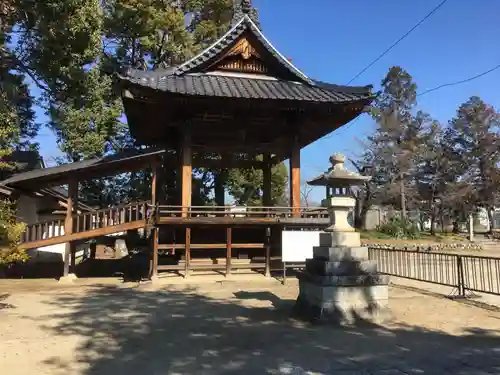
column 248, row 88
column 190, row 79
column 57, row 172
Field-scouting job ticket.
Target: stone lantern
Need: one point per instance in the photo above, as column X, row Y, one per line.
column 340, row 283
column 339, row 201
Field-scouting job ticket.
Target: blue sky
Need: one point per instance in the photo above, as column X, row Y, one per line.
column 333, row 40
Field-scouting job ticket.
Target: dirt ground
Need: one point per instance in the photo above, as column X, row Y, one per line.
column 234, row 327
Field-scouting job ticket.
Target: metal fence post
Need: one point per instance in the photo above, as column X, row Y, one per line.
column 461, row 280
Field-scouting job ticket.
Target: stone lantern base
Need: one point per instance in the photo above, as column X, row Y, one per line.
column 340, row 283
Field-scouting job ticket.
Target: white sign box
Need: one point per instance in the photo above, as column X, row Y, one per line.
column 297, row 246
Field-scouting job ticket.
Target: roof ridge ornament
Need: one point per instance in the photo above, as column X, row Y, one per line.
column 241, row 8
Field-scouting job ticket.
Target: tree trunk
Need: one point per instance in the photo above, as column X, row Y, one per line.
column 220, row 181
column 432, row 209
column 357, row 213
column 403, row 197
column 361, row 210
column 433, row 222
column 491, row 219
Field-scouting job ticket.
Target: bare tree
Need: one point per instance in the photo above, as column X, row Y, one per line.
column 305, row 192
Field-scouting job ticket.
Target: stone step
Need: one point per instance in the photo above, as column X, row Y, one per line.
column 343, row 268
column 338, row 254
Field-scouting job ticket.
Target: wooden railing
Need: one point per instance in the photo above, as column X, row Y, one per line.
column 99, row 219
column 240, row 212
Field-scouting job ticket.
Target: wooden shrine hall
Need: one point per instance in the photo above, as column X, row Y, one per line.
column 238, row 104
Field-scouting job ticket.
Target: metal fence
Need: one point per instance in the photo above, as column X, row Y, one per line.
column 464, row 272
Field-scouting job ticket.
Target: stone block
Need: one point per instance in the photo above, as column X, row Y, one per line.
column 343, row 268
column 70, row 278
column 337, row 254
column 358, row 295
column 343, row 304
column 349, row 280
column 340, row 239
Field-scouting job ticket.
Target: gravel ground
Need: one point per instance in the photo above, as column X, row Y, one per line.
column 237, row 327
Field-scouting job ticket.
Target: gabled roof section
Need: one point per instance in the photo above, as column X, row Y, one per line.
column 241, row 64
column 214, row 52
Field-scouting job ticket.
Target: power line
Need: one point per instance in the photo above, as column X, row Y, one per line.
column 399, row 40
column 342, row 128
column 460, row 82
column 424, row 93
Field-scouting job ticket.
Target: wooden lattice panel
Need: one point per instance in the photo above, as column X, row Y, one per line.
column 242, row 57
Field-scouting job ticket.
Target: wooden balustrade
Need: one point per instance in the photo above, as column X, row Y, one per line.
column 240, row 212
column 122, row 214
column 87, row 221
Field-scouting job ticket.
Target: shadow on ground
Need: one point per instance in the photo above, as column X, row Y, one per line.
column 3, row 305
column 132, row 331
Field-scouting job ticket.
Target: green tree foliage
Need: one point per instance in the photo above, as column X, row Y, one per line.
column 476, row 140
column 11, row 130
column 392, row 151
column 68, row 48
column 10, row 235
column 246, row 185
column 16, row 130
column 440, row 171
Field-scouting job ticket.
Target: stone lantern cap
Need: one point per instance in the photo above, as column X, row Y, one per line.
column 338, row 176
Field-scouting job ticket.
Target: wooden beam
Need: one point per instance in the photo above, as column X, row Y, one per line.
column 230, row 146
column 211, row 246
column 154, row 183
column 186, row 173
column 226, row 163
column 153, row 269
column 69, row 253
column 218, row 220
column 154, row 262
column 99, row 232
column 229, row 163
column 229, row 250
column 295, row 178
column 267, row 188
column 187, row 254
column 267, row 271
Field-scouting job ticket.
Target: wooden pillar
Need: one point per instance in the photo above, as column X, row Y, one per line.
column 154, row 182
column 186, row 174
column 154, row 263
column 187, row 254
column 153, row 271
column 268, row 252
column 266, row 172
column 229, row 249
column 69, row 253
column 295, row 178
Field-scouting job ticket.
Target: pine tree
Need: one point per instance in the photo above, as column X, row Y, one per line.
column 476, row 140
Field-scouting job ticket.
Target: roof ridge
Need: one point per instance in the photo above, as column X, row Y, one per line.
column 343, row 88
